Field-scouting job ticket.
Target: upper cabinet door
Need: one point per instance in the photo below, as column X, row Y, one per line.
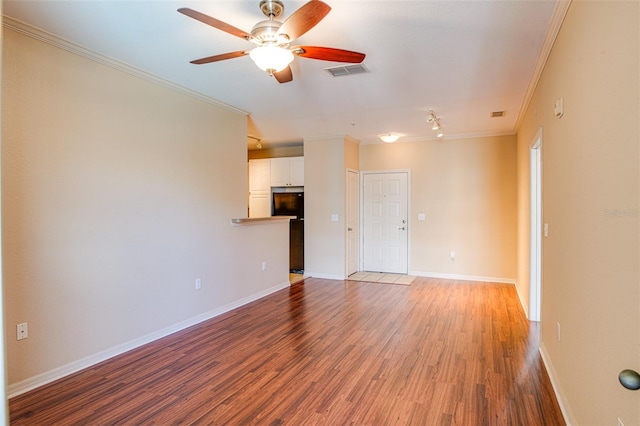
column 287, row 171
column 296, row 171
column 279, row 172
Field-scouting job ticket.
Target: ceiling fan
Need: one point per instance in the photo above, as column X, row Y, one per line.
column 272, row 52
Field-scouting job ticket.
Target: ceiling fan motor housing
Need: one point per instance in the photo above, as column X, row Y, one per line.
column 266, row 33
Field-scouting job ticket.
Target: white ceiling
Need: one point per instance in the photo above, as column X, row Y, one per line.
column 463, row 59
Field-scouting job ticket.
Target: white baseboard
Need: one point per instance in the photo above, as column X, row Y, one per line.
column 553, row 376
column 525, row 307
column 41, row 379
column 325, row 276
column 463, row 277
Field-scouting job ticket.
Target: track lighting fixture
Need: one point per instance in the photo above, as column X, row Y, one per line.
column 258, row 141
column 435, row 123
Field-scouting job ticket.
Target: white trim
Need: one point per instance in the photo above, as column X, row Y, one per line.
column 53, row 40
column 557, row 389
column 524, row 305
column 557, row 18
column 431, row 138
column 4, row 401
column 535, row 228
column 324, row 276
column 464, row 277
column 359, row 206
column 41, row 379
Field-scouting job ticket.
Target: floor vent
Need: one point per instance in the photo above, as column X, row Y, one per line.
column 343, row 70
column 495, row 114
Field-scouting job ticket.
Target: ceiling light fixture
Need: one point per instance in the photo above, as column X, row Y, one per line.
column 389, row 137
column 258, row 141
column 271, row 58
column 435, row 123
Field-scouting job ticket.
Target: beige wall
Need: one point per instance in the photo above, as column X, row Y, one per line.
column 324, row 183
column 466, row 188
column 351, row 154
column 326, row 161
column 591, row 281
column 117, row 194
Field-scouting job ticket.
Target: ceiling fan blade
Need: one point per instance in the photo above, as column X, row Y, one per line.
column 284, row 76
column 328, row 54
column 221, row 57
column 303, row 19
column 215, row 23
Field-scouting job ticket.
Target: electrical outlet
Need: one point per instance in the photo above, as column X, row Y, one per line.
column 453, row 255
column 264, row 265
column 198, row 284
column 21, row 330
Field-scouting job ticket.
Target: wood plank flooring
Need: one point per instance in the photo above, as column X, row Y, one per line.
column 322, row 352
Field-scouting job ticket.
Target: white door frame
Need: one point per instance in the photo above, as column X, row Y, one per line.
column 358, row 206
column 362, row 174
column 535, row 236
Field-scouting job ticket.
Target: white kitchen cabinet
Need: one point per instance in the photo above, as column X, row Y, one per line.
column 260, row 175
column 260, row 205
column 296, row 171
column 260, row 188
column 287, row 171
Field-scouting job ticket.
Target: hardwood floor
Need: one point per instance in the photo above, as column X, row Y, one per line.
column 324, row 352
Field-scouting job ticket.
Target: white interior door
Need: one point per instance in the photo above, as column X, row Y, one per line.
column 353, row 222
column 385, row 222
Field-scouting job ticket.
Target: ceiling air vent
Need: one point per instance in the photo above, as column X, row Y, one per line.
column 343, row 70
column 496, row 114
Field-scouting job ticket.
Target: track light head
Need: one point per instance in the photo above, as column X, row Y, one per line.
column 435, row 123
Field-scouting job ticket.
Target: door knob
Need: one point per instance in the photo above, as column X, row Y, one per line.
column 629, row 379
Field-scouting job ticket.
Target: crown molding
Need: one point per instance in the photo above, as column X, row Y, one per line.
column 557, row 19
column 53, row 40
column 431, row 138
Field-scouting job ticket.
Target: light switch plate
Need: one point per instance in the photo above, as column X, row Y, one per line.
column 334, row 218
column 421, row 216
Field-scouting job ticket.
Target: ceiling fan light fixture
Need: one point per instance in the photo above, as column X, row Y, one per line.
column 389, row 137
column 271, row 58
